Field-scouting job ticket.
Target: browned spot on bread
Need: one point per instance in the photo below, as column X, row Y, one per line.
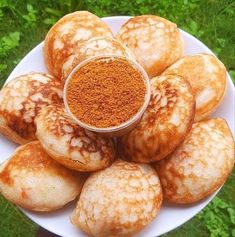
column 22, row 128
column 159, row 109
column 24, row 193
column 5, row 176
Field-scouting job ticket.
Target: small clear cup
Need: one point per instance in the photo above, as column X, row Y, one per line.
column 124, row 127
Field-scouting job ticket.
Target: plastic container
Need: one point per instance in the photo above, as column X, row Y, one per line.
column 124, row 127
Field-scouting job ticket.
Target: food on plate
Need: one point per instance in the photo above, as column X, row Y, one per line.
column 155, row 42
column 207, row 76
column 94, row 47
column 70, row 30
column 106, row 91
column 119, row 200
column 200, row 165
column 71, row 145
column 20, row 101
column 165, row 123
column 32, row 180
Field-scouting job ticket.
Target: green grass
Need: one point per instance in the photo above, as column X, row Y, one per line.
column 13, row 222
column 23, row 24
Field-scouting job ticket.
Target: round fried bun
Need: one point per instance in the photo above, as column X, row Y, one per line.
column 70, row 144
column 165, row 123
column 207, row 76
column 155, row 42
column 119, row 200
column 200, row 165
column 71, row 29
column 20, row 101
column 32, row 180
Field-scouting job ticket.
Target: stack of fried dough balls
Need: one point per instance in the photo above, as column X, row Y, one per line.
column 175, row 153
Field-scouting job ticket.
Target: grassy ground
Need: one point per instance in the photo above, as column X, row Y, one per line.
column 23, row 24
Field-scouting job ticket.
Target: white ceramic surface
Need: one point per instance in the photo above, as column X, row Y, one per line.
column 171, row 216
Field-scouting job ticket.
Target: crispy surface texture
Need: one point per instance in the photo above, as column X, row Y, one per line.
column 32, row 180
column 71, row 29
column 165, row 123
column 207, row 76
column 119, row 200
column 70, row 144
column 20, row 101
column 94, row 47
column 155, row 42
column 200, row 165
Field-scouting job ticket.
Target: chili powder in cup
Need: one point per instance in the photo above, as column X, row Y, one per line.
column 107, row 94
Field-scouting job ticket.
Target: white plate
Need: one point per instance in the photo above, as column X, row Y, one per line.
column 171, row 216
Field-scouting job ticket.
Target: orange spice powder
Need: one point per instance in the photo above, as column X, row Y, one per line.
column 106, row 92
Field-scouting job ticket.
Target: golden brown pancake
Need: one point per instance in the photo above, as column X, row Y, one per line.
column 32, row 180
column 94, row 47
column 207, row 76
column 200, row 165
column 71, row 29
column 165, row 123
column 155, row 42
column 20, row 101
column 71, row 145
column 119, row 200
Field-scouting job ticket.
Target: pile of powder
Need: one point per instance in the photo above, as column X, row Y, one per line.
column 106, row 92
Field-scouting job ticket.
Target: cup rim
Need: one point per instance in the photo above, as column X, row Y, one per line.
column 123, row 125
